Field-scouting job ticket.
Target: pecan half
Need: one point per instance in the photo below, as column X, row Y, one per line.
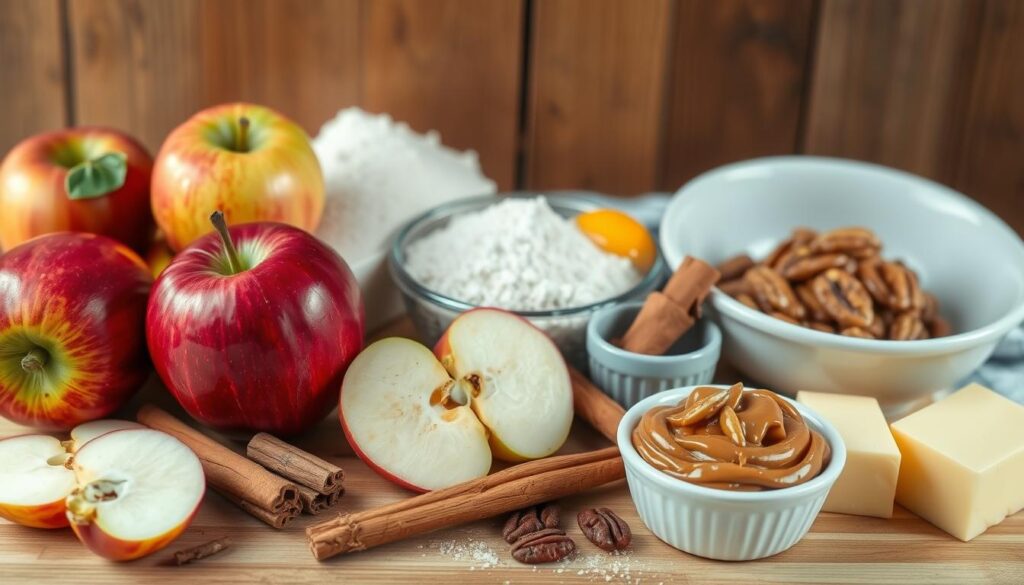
column 871, row 277
column 771, row 289
column 905, row 292
column 748, row 301
column 811, row 265
column 939, row 327
column 800, row 236
column 907, row 326
column 878, row 328
column 529, row 520
column 734, row 288
column 815, row 312
column 544, row 546
column 854, row 241
column 735, row 267
column 784, row 317
column 604, row 528
column 823, row 327
column 844, row 298
column 930, row 310
column 857, row 332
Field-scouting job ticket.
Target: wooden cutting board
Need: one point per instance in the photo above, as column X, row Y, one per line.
column 838, row 549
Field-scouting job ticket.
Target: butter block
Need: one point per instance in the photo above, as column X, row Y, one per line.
column 963, row 461
column 867, row 484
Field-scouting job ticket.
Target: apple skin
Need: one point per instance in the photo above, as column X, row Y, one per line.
column 369, row 462
column 196, row 172
column 50, row 515
column 34, row 200
column 262, row 350
column 116, row 549
column 81, row 299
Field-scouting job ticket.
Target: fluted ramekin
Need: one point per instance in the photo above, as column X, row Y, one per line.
column 722, row 524
column 630, row 377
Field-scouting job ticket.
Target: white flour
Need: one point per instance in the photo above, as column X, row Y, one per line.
column 521, row 255
column 379, row 173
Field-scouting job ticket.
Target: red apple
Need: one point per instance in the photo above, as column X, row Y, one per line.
column 248, row 161
column 253, row 330
column 81, row 180
column 72, row 329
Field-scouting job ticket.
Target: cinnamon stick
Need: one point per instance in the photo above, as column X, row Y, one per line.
column 666, row 316
column 517, row 487
column 199, row 552
column 228, row 472
column 293, row 463
column 278, row 519
column 314, row 502
column 594, row 406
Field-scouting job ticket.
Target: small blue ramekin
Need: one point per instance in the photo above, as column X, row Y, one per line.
column 630, row 377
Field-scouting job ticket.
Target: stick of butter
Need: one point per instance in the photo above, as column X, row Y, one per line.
column 963, row 461
column 867, row 485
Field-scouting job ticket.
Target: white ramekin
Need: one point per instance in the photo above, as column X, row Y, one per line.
column 721, row 524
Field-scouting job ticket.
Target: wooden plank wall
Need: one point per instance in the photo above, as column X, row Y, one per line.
column 623, row 96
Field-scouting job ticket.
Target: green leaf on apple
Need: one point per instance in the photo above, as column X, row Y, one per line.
column 96, row 177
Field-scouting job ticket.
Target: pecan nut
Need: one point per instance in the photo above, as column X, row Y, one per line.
column 939, row 327
column 870, row 275
column 844, row 298
column 853, row 241
column 529, row 520
column 815, row 312
column 543, row 546
column 905, row 293
column 810, row 265
column 604, row 528
column 857, row 332
column 907, row 326
column 773, row 290
column 799, row 237
column 735, row 267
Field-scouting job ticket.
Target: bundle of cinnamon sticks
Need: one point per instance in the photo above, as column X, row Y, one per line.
column 523, row 485
column 302, row 482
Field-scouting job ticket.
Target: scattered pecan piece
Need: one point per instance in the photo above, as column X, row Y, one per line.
column 844, row 298
column 604, row 528
column 528, row 520
column 543, row 546
column 770, row 288
column 907, row 326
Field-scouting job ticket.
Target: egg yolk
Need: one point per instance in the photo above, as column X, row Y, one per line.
column 617, row 233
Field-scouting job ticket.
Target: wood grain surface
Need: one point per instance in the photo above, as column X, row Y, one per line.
column 32, row 72
column 453, row 66
column 838, row 548
column 738, row 83
column 596, row 94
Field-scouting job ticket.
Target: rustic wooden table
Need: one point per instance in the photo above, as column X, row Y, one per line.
column 838, row 549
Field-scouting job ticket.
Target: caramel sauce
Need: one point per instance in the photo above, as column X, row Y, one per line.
column 698, row 441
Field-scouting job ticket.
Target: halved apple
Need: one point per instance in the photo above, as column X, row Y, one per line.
column 34, row 481
column 135, row 491
column 429, row 421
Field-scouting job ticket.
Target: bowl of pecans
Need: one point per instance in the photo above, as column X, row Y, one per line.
column 849, row 277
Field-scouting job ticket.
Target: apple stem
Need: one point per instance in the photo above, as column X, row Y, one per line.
column 35, row 360
column 221, row 225
column 242, row 136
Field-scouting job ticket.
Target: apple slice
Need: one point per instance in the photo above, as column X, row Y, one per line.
column 521, row 390
column 135, row 491
column 404, row 416
column 86, row 432
column 34, row 481
column 497, row 386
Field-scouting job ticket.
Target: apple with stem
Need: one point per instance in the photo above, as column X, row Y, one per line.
column 252, row 328
column 248, row 161
column 495, row 386
column 79, row 179
column 72, row 329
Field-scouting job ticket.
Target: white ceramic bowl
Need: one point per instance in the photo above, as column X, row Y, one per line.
column 962, row 252
column 722, row 524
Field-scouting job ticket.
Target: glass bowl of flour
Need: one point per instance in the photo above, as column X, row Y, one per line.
column 520, row 252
